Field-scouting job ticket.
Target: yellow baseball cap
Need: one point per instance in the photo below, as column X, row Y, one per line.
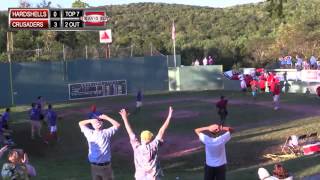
column 146, row 135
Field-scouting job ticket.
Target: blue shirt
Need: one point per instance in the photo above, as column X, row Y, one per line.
column 139, row 96
column 51, row 117
column 99, row 143
column 1, row 124
column 94, row 115
column 34, row 114
column 40, row 103
column 5, row 117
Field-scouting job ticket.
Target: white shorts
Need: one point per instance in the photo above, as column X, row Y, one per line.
column 53, row 129
column 138, row 104
column 276, row 98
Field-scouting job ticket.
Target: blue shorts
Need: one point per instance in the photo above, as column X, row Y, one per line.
column 254, row 93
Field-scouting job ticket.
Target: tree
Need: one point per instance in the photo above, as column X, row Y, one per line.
column 79, row 4
column 275, row 8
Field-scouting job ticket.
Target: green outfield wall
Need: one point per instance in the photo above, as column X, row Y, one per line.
column 51, row 79
column 188, row 78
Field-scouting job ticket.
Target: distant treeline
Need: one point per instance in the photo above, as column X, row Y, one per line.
column 245, row 35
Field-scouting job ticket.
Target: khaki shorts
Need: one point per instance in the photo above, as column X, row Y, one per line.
column 101, row 172
column 35, row 124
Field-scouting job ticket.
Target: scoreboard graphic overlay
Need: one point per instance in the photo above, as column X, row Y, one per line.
column 57, row 19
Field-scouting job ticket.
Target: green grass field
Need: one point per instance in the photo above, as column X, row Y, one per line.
column 259, row 130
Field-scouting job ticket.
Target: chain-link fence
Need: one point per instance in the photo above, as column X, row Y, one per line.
column 63, row 52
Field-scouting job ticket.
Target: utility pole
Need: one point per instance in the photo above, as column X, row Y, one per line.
column 63, row 53
column 86, row 52
column 10, row 51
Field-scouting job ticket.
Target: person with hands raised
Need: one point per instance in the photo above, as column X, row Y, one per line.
column 3, row 150
column 18, row 166
column 146, row 158
column 215, row 165
column 99, row 142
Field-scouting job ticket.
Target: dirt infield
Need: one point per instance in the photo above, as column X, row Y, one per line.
column 178, row 114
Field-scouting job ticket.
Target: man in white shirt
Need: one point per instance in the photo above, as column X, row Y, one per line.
column 99, row 142
column 215, row 166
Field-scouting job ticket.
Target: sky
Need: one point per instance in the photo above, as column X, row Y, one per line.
column 5, row 4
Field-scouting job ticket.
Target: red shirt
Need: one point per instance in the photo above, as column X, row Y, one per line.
column 253, row 83
column 270, row 79
column 276, row 90
column 248, row 79
column 222, row 104
column 261, row 77
column 260, row 70
column 262, row 83
column 272, row 86
column 318, row 90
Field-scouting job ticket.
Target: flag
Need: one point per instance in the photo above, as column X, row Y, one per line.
column 173, row 32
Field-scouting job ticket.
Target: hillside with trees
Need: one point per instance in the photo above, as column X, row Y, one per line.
column 246, row 35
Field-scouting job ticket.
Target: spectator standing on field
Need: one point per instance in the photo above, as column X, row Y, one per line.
column 318, row 91
column 243, row 85
column 222, row 109
column 270, row 81
column 3, row 150
column 215, row 165
column 280, row 172
column 146, row 157
column 5, row 131
column 276, row 96
column 254, row 88
column 17, row 167
column 138, row 101
column 5, row 119
column 262, row 83
column 34, row 114
column 40, row 105
column 99, row 142
column 52, row 124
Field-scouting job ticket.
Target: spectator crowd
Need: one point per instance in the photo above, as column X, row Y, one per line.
column 300, row 63
column 206, row 61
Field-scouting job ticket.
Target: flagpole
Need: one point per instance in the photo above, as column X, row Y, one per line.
column 174, row 53
column 174, row 44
